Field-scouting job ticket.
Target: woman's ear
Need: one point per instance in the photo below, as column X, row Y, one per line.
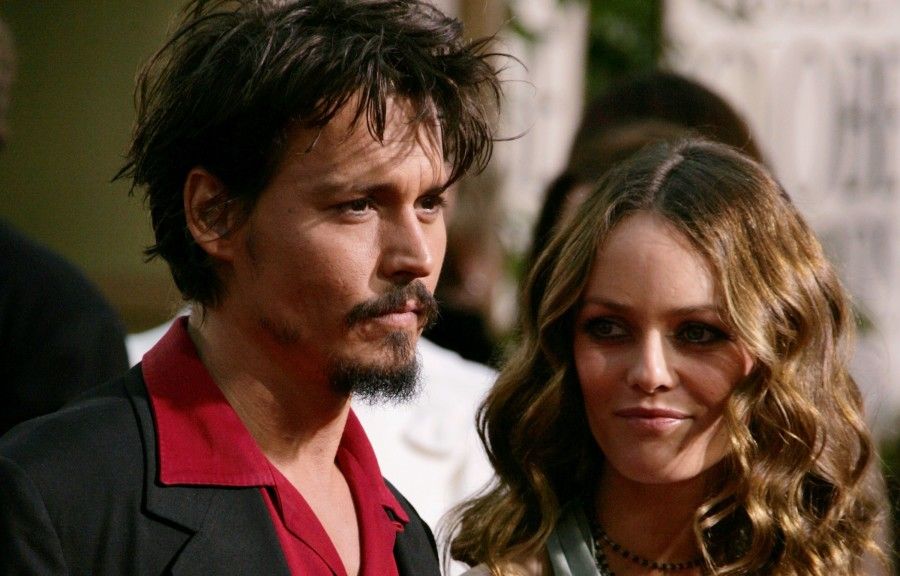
column 210, row 214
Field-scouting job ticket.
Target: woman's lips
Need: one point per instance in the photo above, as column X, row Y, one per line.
column 652, row 419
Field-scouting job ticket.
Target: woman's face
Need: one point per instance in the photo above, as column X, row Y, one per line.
column 655, row 360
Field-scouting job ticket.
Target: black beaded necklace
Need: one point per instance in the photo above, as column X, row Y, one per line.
column 601, row 562
column 602, row 540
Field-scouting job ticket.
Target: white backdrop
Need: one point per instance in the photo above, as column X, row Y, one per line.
column 819, row 81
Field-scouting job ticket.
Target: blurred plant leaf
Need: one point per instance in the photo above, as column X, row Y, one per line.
column 625, row 37
column 515, row 25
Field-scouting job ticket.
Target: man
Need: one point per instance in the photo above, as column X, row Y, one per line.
column 58, row 334
column 295, row 154
column 432, row 434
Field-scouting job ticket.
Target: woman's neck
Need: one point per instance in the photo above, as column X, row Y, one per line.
column 653, row 521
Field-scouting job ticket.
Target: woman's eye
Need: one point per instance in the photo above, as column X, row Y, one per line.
column 604, row 328
column 701, row 334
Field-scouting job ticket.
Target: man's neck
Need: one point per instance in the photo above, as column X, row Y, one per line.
column 290, row 410
column 294, row 415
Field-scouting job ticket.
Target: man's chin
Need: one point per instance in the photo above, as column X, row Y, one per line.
column 391, row 376
column 377, row 383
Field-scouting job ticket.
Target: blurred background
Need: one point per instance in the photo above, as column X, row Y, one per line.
column 69, row 123
column 817, row 80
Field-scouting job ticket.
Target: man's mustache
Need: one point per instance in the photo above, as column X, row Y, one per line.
column 395, row 301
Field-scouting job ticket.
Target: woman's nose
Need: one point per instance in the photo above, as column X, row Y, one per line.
column 651, row 369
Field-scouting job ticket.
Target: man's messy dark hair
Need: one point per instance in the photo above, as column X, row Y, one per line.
column 236, row 76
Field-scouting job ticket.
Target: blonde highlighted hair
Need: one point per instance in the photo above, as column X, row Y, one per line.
column 795, row 498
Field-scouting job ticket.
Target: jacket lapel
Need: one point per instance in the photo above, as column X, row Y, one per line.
column 236, row 537
column 229, row 530
column 414, row 550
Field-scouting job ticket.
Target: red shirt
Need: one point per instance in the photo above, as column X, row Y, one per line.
column 201, row 441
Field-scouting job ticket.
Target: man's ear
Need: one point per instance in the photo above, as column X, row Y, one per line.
column 210, row 214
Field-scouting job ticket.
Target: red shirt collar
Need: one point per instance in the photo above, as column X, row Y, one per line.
column 201, row 440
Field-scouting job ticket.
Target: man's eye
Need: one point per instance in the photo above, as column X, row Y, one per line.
column 604, row 328
column 701, row 334
column 358, row 206
column 432, row 203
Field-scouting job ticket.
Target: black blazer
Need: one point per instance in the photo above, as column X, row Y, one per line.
column 79, row 495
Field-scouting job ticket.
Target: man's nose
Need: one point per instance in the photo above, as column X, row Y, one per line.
column 651, row 369
column 411, row 248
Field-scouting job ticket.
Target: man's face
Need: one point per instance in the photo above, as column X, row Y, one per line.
column 333, row 271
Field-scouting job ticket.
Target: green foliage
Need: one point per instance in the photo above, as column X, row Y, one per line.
column 625, row 37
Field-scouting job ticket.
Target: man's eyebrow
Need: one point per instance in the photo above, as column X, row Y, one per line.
column 440, row 189
column 330, row 187
column 326, row 190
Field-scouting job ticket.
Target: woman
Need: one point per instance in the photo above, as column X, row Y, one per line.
column 680, row 401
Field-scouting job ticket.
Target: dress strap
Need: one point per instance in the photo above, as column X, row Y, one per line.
column 570, row 546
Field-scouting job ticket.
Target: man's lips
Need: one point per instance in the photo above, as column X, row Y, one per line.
column 402, row 316
column 410, row 303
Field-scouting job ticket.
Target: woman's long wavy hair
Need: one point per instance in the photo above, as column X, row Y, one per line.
column 796, row 497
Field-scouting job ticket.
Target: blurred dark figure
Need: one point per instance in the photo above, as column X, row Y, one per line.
column 58, row 336
column 472, row 268
column 890, row 456
column 634, row 113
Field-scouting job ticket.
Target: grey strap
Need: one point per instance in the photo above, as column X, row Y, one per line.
column 570, row 546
